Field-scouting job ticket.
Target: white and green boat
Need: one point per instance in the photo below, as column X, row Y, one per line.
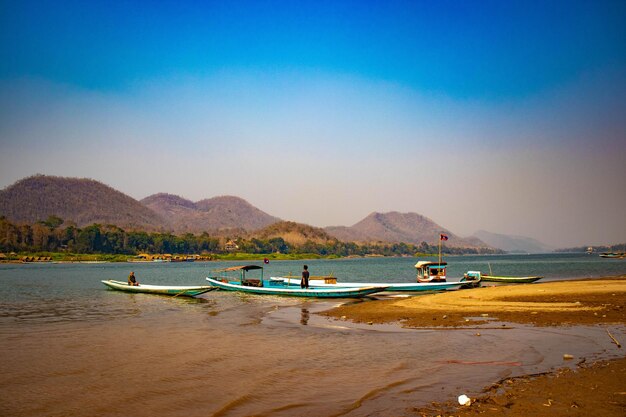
column 175, row 290
column 431, row 276
column 274, row 286
column 613, row 255
column 511, row 280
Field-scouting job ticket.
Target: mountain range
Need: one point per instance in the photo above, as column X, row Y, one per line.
column 86, row 201
column 513, row 244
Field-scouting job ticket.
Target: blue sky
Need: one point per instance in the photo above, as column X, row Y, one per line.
column 322, row 112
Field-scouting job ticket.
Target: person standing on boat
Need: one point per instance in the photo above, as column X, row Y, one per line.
column 304, row 282
column 131, row 279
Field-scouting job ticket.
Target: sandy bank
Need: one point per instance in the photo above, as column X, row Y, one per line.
column 591, row 301
column 592, row 389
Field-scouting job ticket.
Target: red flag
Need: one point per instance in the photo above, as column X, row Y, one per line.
column 443, row 237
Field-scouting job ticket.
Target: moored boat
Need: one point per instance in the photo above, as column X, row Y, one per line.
column 429, row 271
column 430, row 277
column 389, row 286
column 512, row 280
column 508, row 279
column 175, row 290
column 281, row 286
column 613, row 255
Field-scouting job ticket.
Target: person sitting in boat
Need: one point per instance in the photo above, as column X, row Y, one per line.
column 131, row 279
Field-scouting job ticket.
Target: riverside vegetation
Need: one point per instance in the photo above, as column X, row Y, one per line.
column 61, row 241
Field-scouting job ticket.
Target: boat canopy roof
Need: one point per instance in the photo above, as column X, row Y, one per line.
column 422, row 264
column 239, row 268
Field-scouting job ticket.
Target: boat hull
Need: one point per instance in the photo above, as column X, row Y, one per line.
column 183, row 291
column 512, row 280
column 390, row 287
column 613, row 255
column 280, row 289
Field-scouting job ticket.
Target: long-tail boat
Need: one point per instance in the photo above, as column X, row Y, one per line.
column 175, row 290
column 225, row 281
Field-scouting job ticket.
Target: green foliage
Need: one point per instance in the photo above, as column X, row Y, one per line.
column 112, row 240
column 618, row 247
column 244, row 256
column 53, row 222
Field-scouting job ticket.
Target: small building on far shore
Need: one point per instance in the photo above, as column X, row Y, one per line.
column 231, row 246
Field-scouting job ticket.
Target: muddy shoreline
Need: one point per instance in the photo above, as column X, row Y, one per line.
column 591, row 389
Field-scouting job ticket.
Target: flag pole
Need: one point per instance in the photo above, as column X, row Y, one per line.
column 440, row 250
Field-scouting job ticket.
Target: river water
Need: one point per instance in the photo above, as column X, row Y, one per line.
column 70, row 347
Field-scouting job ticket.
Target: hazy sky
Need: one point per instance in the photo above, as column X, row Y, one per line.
column 504, row 116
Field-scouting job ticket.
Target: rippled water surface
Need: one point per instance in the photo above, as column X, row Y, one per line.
column 71, row 347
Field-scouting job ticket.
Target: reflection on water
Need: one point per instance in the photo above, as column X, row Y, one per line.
column 304, row 317
column 51, row 310
column 72, row 347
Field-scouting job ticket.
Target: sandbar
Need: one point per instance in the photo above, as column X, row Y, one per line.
column 556, row 303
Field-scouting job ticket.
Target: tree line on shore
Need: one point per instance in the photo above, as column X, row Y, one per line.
column 54, row 235
column 618, row 247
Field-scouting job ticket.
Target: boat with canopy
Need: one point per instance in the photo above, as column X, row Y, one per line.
column 224, row 280
column 431, row 276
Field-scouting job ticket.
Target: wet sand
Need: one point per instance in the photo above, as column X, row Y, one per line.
column 591, row 389
column 597, row 301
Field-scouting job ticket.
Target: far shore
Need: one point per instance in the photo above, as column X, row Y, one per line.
column 57, row 257
column 64, row 257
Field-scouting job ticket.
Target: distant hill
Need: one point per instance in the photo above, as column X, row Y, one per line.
column 514, row 244
column 235, row 211
column 293, row 233
column 399, row 227
column 216, row 214
column 82, row 201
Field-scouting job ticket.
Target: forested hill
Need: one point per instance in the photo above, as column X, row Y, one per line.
column 215, row 215
column 294, row 233
column 400, row 227
column 82, row 201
